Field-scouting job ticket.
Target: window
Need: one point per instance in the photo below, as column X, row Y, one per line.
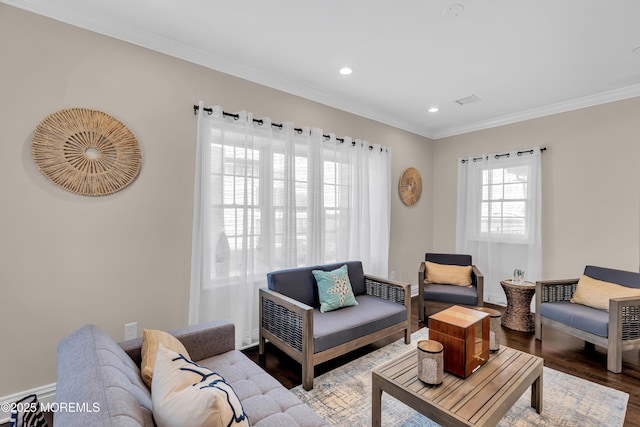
column 243, row 205
column 235, row 186
column 499, row 216
column 269, row 197
column 504, row 202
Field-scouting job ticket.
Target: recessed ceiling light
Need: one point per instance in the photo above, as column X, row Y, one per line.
column 433, row 109
column 345, row 71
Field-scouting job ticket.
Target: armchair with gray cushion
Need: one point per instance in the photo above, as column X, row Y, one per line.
column 444, row 294
column 617, row 329
column 291, row 319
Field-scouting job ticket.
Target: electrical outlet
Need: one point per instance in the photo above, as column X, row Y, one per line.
column 130, row 331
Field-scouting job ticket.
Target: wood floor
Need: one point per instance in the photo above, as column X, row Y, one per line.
column 560, row 352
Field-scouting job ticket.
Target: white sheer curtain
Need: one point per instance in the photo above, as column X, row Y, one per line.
column 499, row 216
column 272, row 197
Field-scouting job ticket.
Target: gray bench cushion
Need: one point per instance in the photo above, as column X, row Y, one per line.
column 265, row 400
column 578, row 316
column 370, row 315
column 451, row 294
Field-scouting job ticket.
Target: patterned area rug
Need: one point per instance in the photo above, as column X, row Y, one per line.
column 343, row 397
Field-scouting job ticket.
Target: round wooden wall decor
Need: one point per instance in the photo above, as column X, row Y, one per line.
column 410, row 186
column 86, row 152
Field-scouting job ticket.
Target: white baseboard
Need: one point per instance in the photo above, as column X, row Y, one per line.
column 46, row 394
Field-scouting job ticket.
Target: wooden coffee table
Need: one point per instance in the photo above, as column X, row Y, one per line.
column 479, row 400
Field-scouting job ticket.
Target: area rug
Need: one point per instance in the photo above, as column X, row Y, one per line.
column 343, row 397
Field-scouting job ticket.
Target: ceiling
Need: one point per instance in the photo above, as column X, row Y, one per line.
column 522, row 59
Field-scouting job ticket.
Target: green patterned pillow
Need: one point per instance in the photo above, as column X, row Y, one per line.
column 334, row 289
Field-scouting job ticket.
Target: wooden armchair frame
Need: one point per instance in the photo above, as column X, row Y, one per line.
column 624, row 321
column 288, row 324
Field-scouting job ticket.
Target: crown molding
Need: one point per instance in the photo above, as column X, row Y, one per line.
column 188, row 53
column 548, row 110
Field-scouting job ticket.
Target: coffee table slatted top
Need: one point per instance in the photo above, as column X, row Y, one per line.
column 481, row 399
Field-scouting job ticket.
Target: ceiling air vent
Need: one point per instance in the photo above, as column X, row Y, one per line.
column 467, row 100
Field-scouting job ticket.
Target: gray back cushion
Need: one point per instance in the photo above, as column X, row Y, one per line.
column 621, row 277
column 296, row 283
column 94, row 370
column 448, row 259
column 300, row 284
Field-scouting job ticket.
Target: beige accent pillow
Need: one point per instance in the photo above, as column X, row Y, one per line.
column 151, row 338
column 597, row 293
column 184, row 393
column 448, row 274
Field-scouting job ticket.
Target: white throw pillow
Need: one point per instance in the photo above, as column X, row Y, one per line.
column 184, row 393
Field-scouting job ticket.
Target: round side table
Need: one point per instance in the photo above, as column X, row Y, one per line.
column 517, row 315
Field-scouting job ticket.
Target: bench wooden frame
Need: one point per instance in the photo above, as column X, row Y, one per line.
column 294, row 332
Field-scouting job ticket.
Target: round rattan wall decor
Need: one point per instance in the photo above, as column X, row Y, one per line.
column 86, row 152
column 410, row 186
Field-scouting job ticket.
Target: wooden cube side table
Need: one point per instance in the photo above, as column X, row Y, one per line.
column 464, row 333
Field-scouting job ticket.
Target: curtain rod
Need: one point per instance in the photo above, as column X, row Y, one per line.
column 497, row 156
column 209, row 111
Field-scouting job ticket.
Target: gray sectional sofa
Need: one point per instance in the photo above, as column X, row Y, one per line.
column 290, row 317
column 94, row 369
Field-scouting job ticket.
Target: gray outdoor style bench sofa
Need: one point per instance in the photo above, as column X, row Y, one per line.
column 617, row 329
column 290, row 317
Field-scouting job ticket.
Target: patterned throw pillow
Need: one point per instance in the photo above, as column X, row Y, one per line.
column 184, row 393
column 27, row 413
column 334, row 289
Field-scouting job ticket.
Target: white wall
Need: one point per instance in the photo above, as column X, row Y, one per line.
column 67, row 260
column 590, row 174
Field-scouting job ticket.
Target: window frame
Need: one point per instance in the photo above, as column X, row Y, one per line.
column 482, row 231
column 269, row 210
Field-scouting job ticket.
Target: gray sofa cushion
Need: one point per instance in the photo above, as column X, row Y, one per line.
column 578, row 316
column 370, row 315
column 451, row 293
column 265, row 400
column 92, row 365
